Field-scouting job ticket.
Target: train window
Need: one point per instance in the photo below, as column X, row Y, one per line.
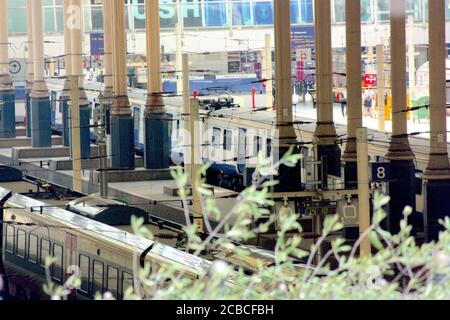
column 269, row 148
column 112, row 283
column 10, row 236
column 57, row 268
column 33, row 248
column 97, row 277
column 227, row 139
column 257, row 142
column 84, row 264
column 45, row 251
column 216, row 137
column 21, row 239
column 127, row 282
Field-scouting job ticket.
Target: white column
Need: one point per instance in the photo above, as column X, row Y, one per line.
column 108, row 39
column 4, row 45
column 399, row 148
column 325, row 129
column 283, row 91
column 268, row 70
column 40, row 89
column 353, row 58
column 30, row 71
column 438, row 165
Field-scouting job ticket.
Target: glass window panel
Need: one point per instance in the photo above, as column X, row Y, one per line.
column 192, row 13
column 216, row 137
column 49, row 19
column 10, row 236
column 97, row 18
column 383, row 10
column 366, row 11
column 21, row 239
column 112, row 284
column 256, row 145
column 414, row 7
column 59, row 19
column 57, row 268
column 339, row 11
column 307, row 11
column 269, row 148
column 215, row 13
column 227, row 140
column 168, row 14
column 241, row 13
column 295, row 13
column 84, row 264
column 45, row 251
column 97, row 277
column 33, row 248
column 448, row 9
column 17, row 20
column 127, row 282
column 138, row 9
column 263, row 12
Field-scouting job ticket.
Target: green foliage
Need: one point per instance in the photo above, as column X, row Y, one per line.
column 399, row 268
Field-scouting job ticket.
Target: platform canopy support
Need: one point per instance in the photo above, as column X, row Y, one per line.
column 437, row 174
column 7, row 96
column 75, row 26
column 156, row 118
column 285, row 136
column 41, row 131
column 402, row 186
column 354, row 100
column 325, row 132
column 30, row 69
column 122, row 125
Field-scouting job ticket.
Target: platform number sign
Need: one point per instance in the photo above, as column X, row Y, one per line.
column 380, row 171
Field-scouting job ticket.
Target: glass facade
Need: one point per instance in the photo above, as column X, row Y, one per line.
column 199, row 14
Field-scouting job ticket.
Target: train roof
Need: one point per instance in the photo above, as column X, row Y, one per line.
column 106, row 210
column 80, row 222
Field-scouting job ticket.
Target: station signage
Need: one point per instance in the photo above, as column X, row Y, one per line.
column 302, row 37
column 97, row 44
column 370, row 80
column 380, row 172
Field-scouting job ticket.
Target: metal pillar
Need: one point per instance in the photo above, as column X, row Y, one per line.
column 30, row 71
column 179, row 57
column 65, row 94
column 289, row 178
column 354, row 100
column 76, row 65
column 325, row 129
column 41, row 132
column 402, row 188
column 108, row 73
column 380, row 86
column 363, row 189
column 122, row 125
column 268, row 71
column 411, row 57
column 75, row 134
column 7, row 96
column 157, row 139
column 437, row 174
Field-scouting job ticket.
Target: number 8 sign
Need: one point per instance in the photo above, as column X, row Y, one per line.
column 380, row 171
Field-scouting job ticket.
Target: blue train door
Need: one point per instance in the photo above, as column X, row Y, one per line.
column 242, row 150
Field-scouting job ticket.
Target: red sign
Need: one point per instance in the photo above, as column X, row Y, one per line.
column 370, row 80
